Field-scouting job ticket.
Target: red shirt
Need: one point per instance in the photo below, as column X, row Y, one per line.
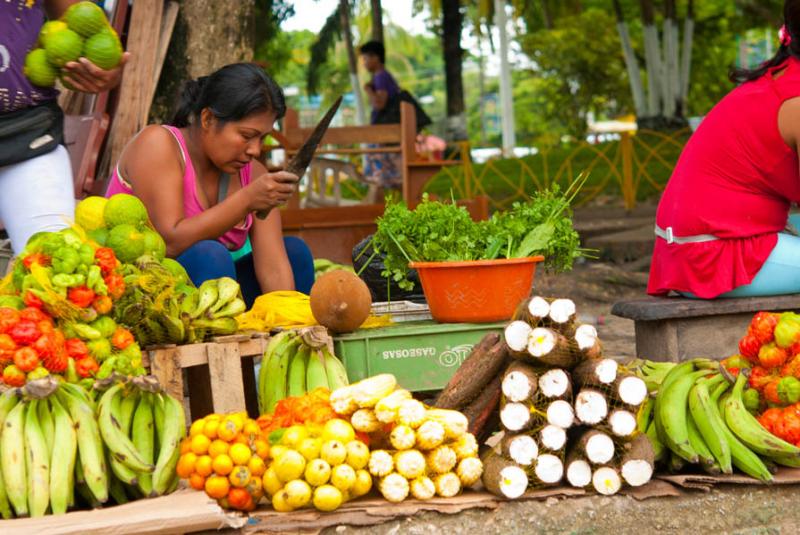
column 736, row 179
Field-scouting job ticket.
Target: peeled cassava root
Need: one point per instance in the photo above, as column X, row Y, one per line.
column 504, row 478
column 630, row 389
column 520, row 382
column 555, row 383
column 622, row 423
column 595, row 446
column 549, row 469
column 578, row 469
column 638, row 461
column 596, row 372
column 591, row 406
column 606, row 480
column 522, row 449
column 588, row 342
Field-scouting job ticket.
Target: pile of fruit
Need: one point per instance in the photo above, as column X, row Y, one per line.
column 82, row 31
column 296, row 362
column 57, row 444
column 700, row 417
column 415, row 450
column 312, row 407
column 226, row 456
column 557, row 382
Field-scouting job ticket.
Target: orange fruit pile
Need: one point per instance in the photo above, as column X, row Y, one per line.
column 312, row 407
column 225, row 456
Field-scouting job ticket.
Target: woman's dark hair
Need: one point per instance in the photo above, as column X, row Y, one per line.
column 375, row 48
column 791, row 17
column 231, row 93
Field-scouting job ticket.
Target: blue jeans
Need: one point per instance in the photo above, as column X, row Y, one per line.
column 780, row 274
column 209, row 259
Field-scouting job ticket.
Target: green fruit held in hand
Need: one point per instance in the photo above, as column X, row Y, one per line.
column 63, row 46
column 38, row 70
column 104, row 50
column 154, row 244
column 86, row 18
column 126, row 241
column 49, row 27
column 125, row 209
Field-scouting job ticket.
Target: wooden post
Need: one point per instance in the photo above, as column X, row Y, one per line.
column 225, row 375
column 166, row 366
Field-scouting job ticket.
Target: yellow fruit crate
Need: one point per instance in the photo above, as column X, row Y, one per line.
column 219, row 375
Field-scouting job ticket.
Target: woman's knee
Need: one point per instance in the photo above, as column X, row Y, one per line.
column 297, row 249
column 207, row 259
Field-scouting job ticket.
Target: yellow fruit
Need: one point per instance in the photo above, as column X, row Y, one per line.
column 310, row 448
column 277, row 450
column 203, row 466
column 338, row 429
column 343, row 477
column 357, row 454
column 327, row 498
column 89, row 212
column 124, row 209
column 240, row 454
column 362, row 485
column 217, row 487
column 230, row 427
column 280, row 502
column 186, row 445
column 270, row 482
column 197, row 427
column 298, row 493
column 289, row 466
column 256, row 465
column 317, row 472
column 218, row 447
column 261, row 448
column 334, row 452
column 251, row 429
column 213, row 416
column 200, row 444
column 314, row 429
column 185, row 466
column 222, row 464
column 197, row 482
column 255, row 488
column 210, row 429
column 240, row 476
column 294, row 435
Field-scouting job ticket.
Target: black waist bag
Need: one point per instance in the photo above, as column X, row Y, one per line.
column 30, row 132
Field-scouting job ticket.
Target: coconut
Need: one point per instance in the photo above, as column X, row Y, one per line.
column 340, row 301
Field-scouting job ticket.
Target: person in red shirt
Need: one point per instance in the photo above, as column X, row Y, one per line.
column 722, row 225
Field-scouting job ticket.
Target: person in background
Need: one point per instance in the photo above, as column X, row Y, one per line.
column 36, row 186
column 201, row 182
column 380, row 168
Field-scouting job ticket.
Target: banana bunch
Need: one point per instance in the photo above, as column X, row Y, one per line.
column 56, row 447
column 296, row 362
column 323, row 265
column 212, row 309
column 699, row 416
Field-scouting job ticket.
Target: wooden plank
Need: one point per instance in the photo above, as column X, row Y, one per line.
column 366, row 150
column 225, row 373
column 658, row 308
column 167, row 25
column 348, row 135
column 165, row 365
column 250, row 386
column 131, row 114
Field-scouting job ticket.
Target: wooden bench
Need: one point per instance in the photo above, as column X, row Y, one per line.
column 676, row 329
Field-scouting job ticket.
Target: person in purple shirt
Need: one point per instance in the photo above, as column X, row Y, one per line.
column 381, row 168
column 36, row 190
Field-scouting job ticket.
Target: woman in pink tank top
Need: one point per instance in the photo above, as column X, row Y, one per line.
column 721, row 220
column 201, row 182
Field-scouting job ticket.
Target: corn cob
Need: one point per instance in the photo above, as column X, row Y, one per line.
column 394, row 488
column 423, row 488
column 412, row 413
column 455, row 424
column 441, row 460
column 469, row 471
column 410, row 464
column 402, row 437
column 430, row 435
column 380, row 463
column 447, row 485
column 465, row 446
column 369, row 392
column 343, row 400
column 386, row 409
column 364, row 420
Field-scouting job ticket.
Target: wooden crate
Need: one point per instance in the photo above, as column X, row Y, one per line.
column 220, row 374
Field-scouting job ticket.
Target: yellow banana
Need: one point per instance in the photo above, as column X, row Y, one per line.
column 38, row 462
column 62, row 459
column 143, row 436
column 227, row 290
column 335, row 370
column 206, row 296
column 12, row 458
column 174, row 431
column 315, row 374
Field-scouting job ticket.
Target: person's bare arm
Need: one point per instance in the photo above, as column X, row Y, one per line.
column 84, row 75
column 270, row 261
column 153, row 168
column 377, row 98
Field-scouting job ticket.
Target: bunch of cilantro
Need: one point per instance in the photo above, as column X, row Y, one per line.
column 440, row 232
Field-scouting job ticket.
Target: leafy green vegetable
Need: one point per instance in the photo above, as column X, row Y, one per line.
column 437, row 232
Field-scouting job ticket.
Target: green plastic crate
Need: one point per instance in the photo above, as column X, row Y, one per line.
column 422, row 355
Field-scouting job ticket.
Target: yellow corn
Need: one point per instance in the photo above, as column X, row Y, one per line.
column 386, row 409
column 430, row 435
column 394, row 488
column 370, row 391
column 364, row 420
column 441, row 460
column 447, row 485
column 380, row 463
column 469, row 471
column 412, row 413
column 423, row 488
column 410, row 464
column 455, row 424
column 402, row 437
column 466, row 446
column 343, row 400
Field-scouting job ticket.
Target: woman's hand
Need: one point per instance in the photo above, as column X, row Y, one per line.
column 85, row 76
column 271, row 190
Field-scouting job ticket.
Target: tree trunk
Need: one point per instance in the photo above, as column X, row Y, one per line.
column 452, row 22
column 631, row 63
column 653, row 62
column 208, row 35
column 377, row 21
column 547, row 14
column 670, row 79
column 344, row 12
column 686, row 58
column 506, row 95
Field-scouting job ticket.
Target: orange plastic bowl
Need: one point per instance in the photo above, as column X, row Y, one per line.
column 478, row 291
